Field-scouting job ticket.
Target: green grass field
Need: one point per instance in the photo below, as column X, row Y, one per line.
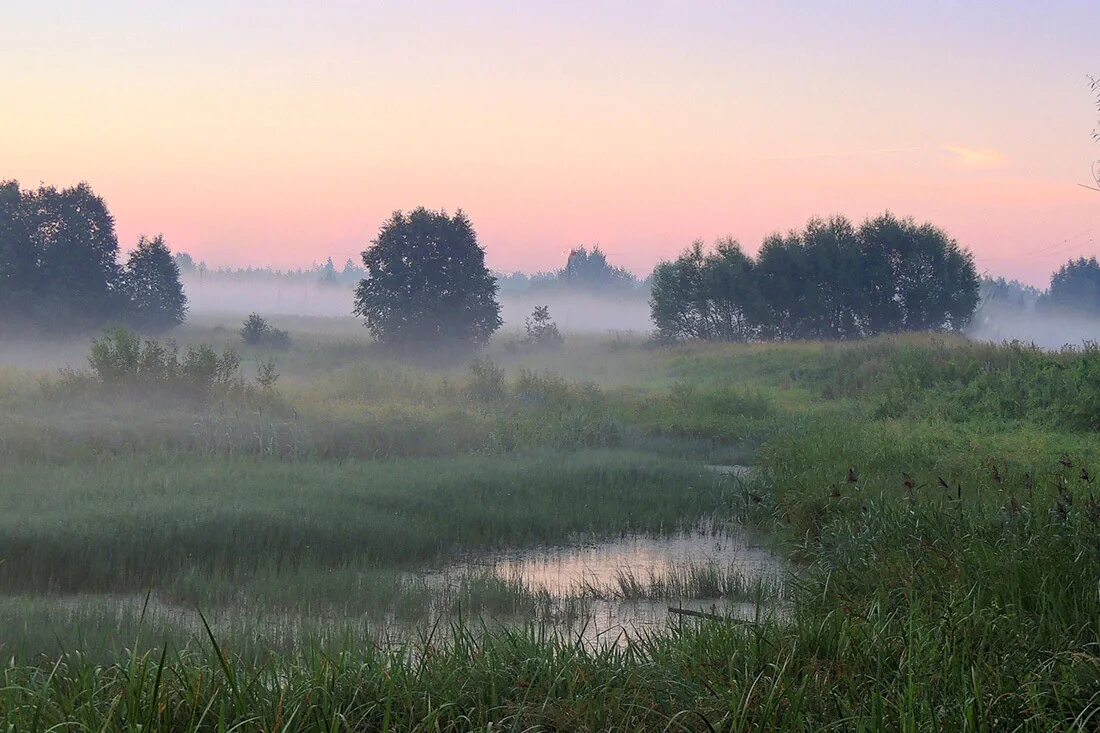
column 934, row 499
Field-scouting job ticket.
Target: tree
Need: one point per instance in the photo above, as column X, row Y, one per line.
column 916, row 278
column 427, row 283
column 590, row 269
column 73, row 235
column 811, row 281
column 542, row 332
column 18, row 257
column 1075, row 288
column 706, row 296
column 152, row 282
column 256, row 331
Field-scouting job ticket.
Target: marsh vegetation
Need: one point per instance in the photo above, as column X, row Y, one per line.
column 378, row 544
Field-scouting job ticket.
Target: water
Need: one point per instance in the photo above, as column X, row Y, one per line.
column 626, row 587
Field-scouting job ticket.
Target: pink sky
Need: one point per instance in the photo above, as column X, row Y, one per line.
column 282, row 133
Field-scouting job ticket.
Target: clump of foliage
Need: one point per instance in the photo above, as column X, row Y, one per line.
column 152, row 282
column 256, row 331
column 589, row 269
column 542, row 332
column 122, row 359
column 1075, row 288
column 59, row 266
column 486, row 382
column 427, row 284
column 830, row 281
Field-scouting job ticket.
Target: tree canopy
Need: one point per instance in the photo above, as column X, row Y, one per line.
column 426, row 283
column 152, row 281
column 1074, row 288
column 828, row 281
column 59, row 265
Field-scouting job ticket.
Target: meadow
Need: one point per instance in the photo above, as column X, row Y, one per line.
column 265, row 561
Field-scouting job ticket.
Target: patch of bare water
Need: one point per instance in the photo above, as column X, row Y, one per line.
column 637, row 585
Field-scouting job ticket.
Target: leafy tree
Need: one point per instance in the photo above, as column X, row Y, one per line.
column 152, row 281
column 916, row 278
column 18, row 257
column 812, row 281
column 828, row 281
column 1075, row 288
column 185, row 262
column 73, row 235
column 427, row 283
column 542, row 332
column 256, row 331
column 590, row 269
column 706, row 296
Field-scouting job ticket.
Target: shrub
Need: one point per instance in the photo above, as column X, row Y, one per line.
column 542, row 332
column 256, row 331
column 486, row 383
column 121, row 358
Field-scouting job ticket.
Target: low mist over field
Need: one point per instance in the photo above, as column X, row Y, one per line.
column 471, row 367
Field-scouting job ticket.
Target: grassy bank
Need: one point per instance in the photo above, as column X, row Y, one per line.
column 936, row 499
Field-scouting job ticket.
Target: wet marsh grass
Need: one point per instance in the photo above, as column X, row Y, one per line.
column 969, row 604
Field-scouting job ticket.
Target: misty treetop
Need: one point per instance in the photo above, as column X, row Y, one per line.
column 829, row 281
column 1074, row 289
column 427, row 283
column 152, row 282
column 59, row 265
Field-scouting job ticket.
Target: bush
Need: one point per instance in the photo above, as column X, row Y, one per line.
column 486, row 381
column 121, row 358
column 542, row 332
column 256, row 331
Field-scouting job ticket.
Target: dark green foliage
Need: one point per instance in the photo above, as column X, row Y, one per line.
column 256, row 331
column 18, row 258
column 589, row 269
column 427, row 284
column 152, row 282
column 59, row 267
column 486, row 383
column 70, row 236
column 1075, row 288
column 829, row 281
column 707, row 296
column 542, row 332
column 121, row 358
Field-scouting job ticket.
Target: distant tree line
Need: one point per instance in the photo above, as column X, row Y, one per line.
column 831, row 280
column 60, row 268
column 1074, row 290
column 325, row 273
column 585, row 270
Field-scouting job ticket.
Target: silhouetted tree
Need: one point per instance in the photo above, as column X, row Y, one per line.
column 1075, row 288
column 828, row 281
column 812, row 281
column 916, row 278
column 590, row 269
column 18, row 257
column 427, row 283
column 542, row 332
column 59, row 265
column 256, row 331
column 152, row 282
column 185, row 262
column 706, row 296
column 78, row 280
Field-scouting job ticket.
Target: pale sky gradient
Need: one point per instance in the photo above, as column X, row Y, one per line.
column 284, row 132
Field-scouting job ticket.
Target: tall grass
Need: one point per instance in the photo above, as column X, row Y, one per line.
column 938, row 497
